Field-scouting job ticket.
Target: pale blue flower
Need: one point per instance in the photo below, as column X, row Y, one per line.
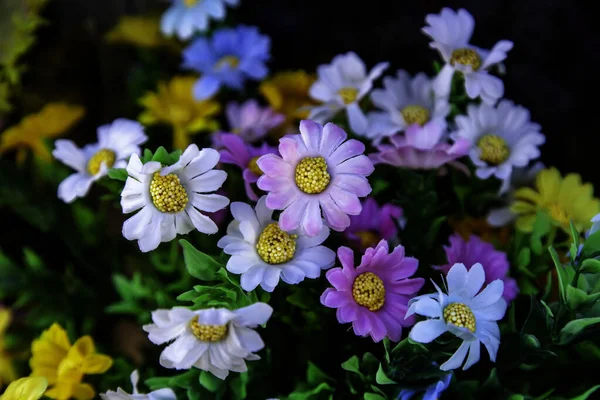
column 432, row 392
column 229, row 58
column 596, row 224
column 466, row 311
column 185, row 17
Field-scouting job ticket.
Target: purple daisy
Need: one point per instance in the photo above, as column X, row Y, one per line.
column 251, row 121
column 236, row 151
column 373, row 224
column 473, row 251
column 318, row 171
column 421, row 147
column 373, row 296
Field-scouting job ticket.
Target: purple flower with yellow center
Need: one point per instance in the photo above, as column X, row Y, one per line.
column 373, row 224
column 229, row 57
column 251, row 121
column 319, row 171
column 373, row 296
column 425, row 147
column 236, row 151
column 473, row 251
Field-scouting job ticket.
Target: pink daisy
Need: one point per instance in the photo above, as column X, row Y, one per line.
column 373, row 296
column 318, row 171
column 251, row 121
column 373, row 224
column 236, row 151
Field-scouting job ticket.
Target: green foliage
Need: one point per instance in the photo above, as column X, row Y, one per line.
column 161, row 155
column 317, row 386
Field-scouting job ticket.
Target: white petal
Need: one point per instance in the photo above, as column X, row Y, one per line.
column 152, row 236
column 428, row 330
column 488, row 296
column 206, row 160
column 457, row 279
column 209, row 202
column 427, row 307
column 475, row 280
column 457, row 358
column 239, row 264
column 474, row 353
column 173, row 354
column 167, row 229
column 201, row 222
column 253, row 315
column 263, row 213
column 252, row 277
column 493, row 312
column 208, row 182
column 135, row 226
column 76, row 185
column 68, row 153
column 250, row 339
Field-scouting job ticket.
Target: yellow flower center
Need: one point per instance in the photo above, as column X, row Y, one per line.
column 367, row 238
column 466, row 57
column 348, row 94
column 253, row 166
column 228, row 61
column 191, row 3
column 168, row 194
column 275, row 246
column 311, row 175
column 368, row 291
column 105, row 156
column 414, row 114
column 459, row 314
column 494, row 149
column 208, row 333
column 558, row 213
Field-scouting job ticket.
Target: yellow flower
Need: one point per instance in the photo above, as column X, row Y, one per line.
column 287, row 93
column 64, row 366
column 174, row 104
column 563, row 199
column 468, row 226
column 142, row 31
column 7, row 372
column 25, row 389
column 54, row 120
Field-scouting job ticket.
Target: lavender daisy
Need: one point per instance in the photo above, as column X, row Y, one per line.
column 501, row 137
column 251, row 121
column 424, row 147
column 451, row 32
column 373, row 296
column 341, row 85
column 229, row 58
column 318, row 171
column 495, row 263
column 262, row 253
column 236, row 151
column 185, row 17
column 406, row 101
column 373, row 224
column 466, row 311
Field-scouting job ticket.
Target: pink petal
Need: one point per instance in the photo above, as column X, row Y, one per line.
column 273, row 165
column 333, row 135
column 362, row 324
column 346, row 256
column 360, row 165
column 335, row 217
column 338, row 279
column 347, row 150
column 292, row 216
column 347, row 201
column 288, row 148
column 348, row 313
column 357, row 184
column 311, row 134
column 312, row 222
column 334, row 299
column 281, row 200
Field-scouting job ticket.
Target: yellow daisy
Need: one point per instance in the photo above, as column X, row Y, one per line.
column 54, row 120
column 287, row 93
column 563, row 199
column 64, row 366
column 141, row 31
column 7, row 371
column 174, row 104
column 25, row 389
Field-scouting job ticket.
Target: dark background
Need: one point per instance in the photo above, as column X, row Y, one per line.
column 552, row 69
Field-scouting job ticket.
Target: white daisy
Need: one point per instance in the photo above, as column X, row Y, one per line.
column 465, row 312
column 171, row 198
column 216, row 340
column 451, row 32
column 502, row 137
column 263, row 253
column 120, row 394
column 116, row 142
column 406, row 101
column 185, row 17
column 341, row 85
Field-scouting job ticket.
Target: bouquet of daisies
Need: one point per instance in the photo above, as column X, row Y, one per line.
column 356, row 233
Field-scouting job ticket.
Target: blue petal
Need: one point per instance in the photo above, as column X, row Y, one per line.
column 206, row 86
column 428, row 330
column 254, row 68
column 199, row 56
column 457, row 358
column 474, row 352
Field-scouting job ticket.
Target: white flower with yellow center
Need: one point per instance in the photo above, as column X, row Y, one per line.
column 406, row 101
column 501, row 137
column 116, row 142
column 216, row 340
column 451, row 32
column 341, row 85
column 466, row 311
column 263, row 253
column 120, row 394
column 170, row 198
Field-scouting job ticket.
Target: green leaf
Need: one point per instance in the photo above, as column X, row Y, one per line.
column 381, row 378
column 209, row 381
column 541, row 227
column 590, row 266
column 379, row 186
column 161, row 155
column 373, row 396
column 591, row 247
column 199, row 264
column 574, row 236
column 516, row 397
column 352, row 365
column 531, row 341
column 32, row 260
column 300, row 298
column 238, row 385
column 573, row 328
column 524, row 257
column 575, row 297
column 147, row 156
column 562, row 273
column 314, row 375
column 119, row 174
column 587, row 394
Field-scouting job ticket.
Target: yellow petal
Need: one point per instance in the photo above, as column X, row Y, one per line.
column 96, row 364
column 84, row 391
column 272, row 94
column 84, row 346
column 522, row 207
column 31, row 388
column 181, row 138
column 5, row 318
column 56, row 335
column 63, row 390
column 548, row 183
